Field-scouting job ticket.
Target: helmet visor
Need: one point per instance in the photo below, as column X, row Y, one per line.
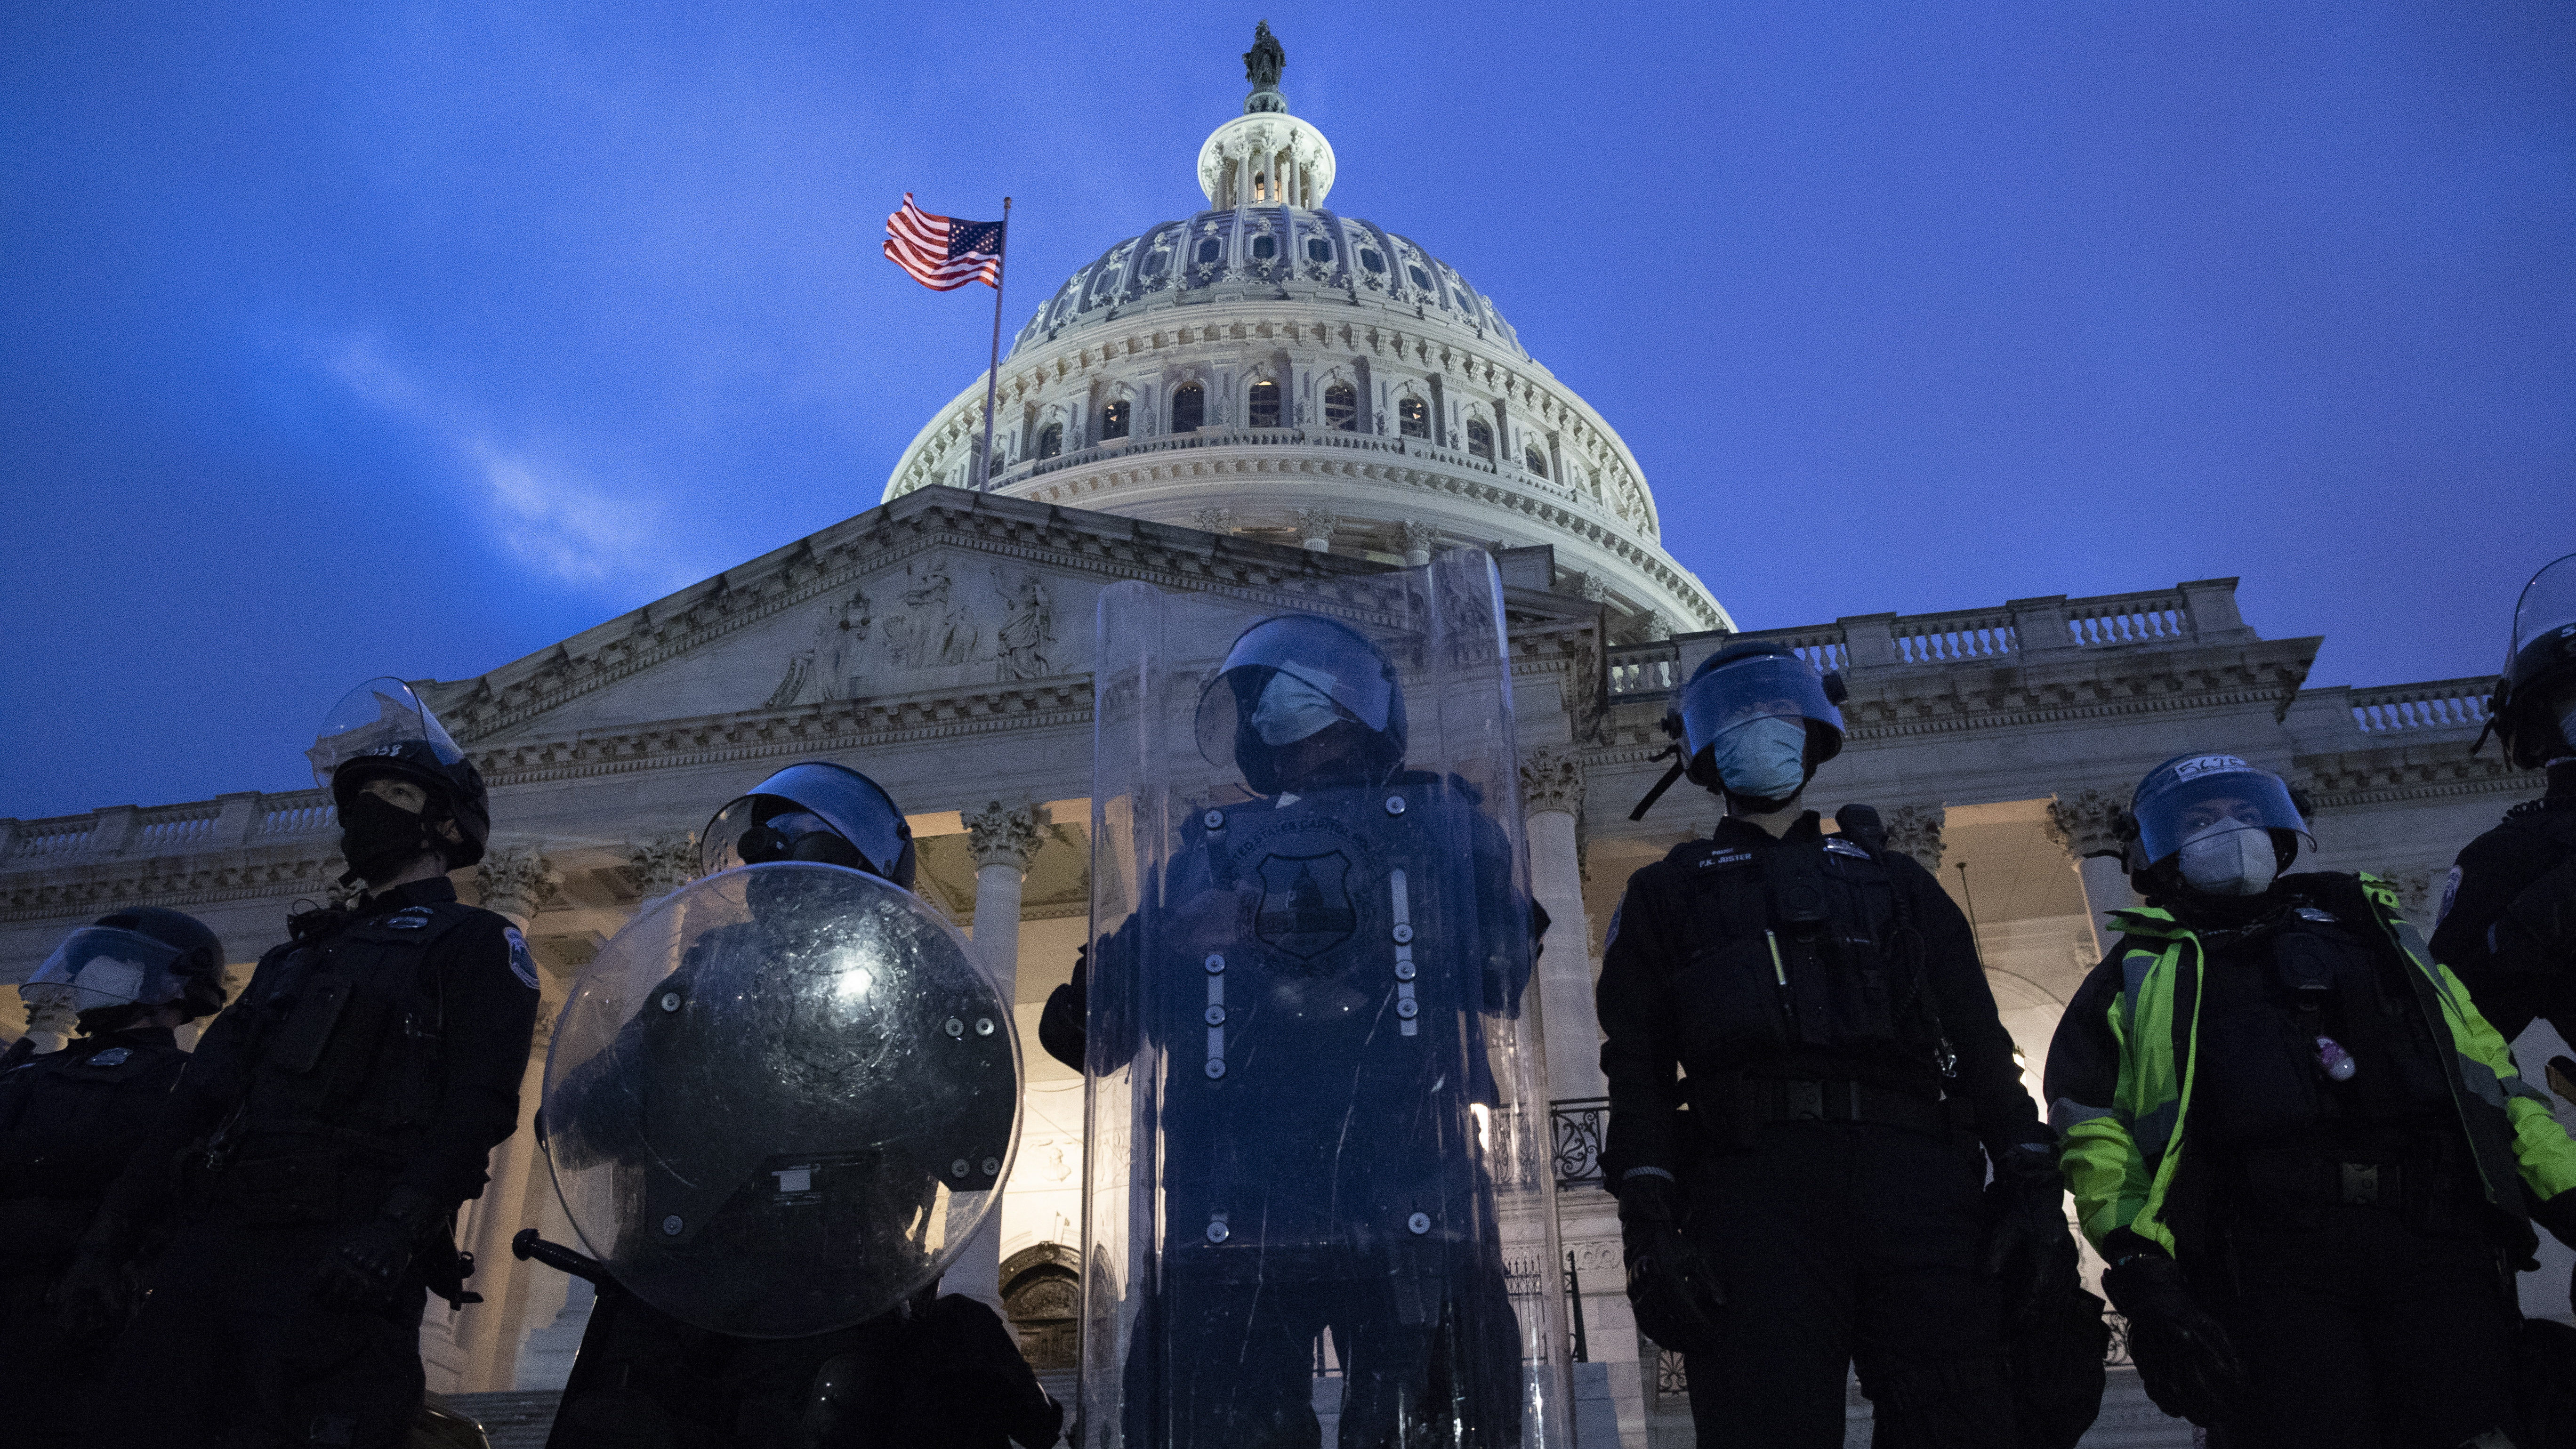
column 2190, row 795
column 1759, row 686
column 375, row 719
column 804, row 799
column 1290, row 677
column 111, row 966
column 2546, row 612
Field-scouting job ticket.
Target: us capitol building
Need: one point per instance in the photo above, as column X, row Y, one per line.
column 1269, row 399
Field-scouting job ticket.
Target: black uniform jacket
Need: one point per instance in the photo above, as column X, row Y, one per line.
column 1652, row 937
column 69, row 1123
column 480, row 975
column 2507, row 926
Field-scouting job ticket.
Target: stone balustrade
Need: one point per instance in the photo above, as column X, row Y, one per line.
column 2199, row 611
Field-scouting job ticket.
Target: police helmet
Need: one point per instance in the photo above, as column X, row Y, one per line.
column 2190, row 793
column 2539, row 670
column 381, row 729
column 144, row 956
column 1294, row 676
column 816, row 811
column 1757, row 679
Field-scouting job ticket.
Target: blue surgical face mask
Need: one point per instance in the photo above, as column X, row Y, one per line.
column 1763, row 759
column 1294, row 704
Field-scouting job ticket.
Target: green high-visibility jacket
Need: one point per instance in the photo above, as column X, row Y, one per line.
column 2121, row 1066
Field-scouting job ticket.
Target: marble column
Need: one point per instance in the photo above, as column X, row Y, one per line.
column 660, row 866
column 1916, row 831
column 518, row 882
column 51, row 1017
column 2084, row 821
column 1213, row 520
column 1315, row 528
column 1552, row 796
column 1418, row 540
column 1004, row 842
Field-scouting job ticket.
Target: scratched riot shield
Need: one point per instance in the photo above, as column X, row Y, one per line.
column 781, row 1100
column 1319, row 1213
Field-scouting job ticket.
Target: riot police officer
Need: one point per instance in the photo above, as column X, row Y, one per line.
column 1334, row 940
column 70, row 1121
column 2306, row 1156
column 331, row 1124
column 1809, row 1192
column 2507, row 922
column 928, row 1370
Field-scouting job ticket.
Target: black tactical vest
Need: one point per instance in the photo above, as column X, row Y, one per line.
column 73, row 1120
column 1799, row 948
column 2269, row 993
column 350, row 1047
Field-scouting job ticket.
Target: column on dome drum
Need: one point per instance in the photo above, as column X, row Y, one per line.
column 781, row 1100
column 1317, row 1126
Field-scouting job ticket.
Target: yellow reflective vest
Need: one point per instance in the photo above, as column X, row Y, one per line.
column 2120, row 1080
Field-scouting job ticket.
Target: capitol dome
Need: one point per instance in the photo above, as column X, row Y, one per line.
column 1272, row 368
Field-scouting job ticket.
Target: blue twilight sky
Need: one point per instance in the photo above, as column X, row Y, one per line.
column 341, row 339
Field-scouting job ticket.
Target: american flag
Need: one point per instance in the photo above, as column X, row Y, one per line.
column 941, row 252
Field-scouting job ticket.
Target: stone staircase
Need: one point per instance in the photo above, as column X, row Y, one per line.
column 2128, row 1421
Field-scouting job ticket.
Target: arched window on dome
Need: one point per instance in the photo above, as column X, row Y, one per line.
column 1051, row 441
column 1480, row 439
column 1261, row 187
column 1265, row 405
column 1342, row 407
column 1534, row 460
column 1113, row 420
column 1189, row 407
column 1412, row 417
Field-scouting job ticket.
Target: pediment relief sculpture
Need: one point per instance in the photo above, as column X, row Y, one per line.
column 986, row 621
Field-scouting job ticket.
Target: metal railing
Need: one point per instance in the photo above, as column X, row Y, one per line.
column 2442, row 704
column 1575, row 1126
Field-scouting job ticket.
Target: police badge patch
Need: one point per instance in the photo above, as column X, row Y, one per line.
column 1306, row 907
column 2450, row 895
column 522, row 965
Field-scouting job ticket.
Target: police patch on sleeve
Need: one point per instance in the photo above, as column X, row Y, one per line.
column 2450, row 896
column 1607, row 940
column 522, row 965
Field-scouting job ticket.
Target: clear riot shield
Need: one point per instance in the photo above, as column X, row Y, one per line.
column 781, row 1100
column 1320, row 1210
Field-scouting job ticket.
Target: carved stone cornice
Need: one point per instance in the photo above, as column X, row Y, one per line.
column 1213, row 520
column 662, row 864
column 175, row 882
column 2085, row 820
column 518, row 882
column 999, row 835
column 1552, row 779
column 1916, row 830
column 2397, row 775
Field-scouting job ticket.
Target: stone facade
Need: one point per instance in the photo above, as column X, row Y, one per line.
column 942, row 642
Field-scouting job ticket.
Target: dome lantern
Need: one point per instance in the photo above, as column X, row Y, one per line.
column 1265, row 157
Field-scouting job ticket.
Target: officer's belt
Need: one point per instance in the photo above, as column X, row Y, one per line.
column 2301, row 1176
column 1801, row 1100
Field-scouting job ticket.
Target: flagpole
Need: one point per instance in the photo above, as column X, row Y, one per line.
column 993, row 373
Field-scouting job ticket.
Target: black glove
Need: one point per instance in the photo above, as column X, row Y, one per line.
column 95, row 1295
column 2184, row 1358
column 1671, row 1284
column 2027, row 1245
column 1064, row 1026
column 2558, row 1215
column 364, row 1268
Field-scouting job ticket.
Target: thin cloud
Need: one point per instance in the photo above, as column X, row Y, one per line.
column 545, row 516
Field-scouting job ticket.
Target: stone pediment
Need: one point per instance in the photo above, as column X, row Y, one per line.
column 941, row 593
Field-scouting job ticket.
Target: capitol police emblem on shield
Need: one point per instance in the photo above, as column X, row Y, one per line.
column 1306, row 907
